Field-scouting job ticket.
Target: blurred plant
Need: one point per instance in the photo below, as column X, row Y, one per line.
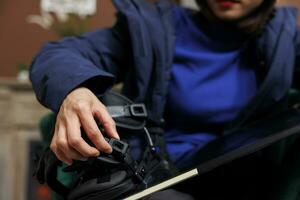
column 22, row 67
column 64, row 17
column 22, row 72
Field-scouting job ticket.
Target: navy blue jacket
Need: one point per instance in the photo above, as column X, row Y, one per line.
column 138, row 51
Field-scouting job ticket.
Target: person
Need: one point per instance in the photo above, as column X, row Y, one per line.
column 198, row 73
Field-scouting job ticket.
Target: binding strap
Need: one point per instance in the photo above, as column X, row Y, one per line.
column 133, row 110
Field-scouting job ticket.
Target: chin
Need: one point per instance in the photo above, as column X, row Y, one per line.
column 228, row 16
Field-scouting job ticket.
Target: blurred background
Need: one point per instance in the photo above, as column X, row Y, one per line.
column 25, row 27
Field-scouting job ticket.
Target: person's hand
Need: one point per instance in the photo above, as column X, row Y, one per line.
column 79, row 109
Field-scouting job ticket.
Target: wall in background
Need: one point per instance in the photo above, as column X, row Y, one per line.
column 19, row 40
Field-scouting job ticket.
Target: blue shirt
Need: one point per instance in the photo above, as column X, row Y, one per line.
column 210, row 83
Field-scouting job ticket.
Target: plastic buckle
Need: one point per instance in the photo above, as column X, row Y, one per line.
column 138, row 110
column 119, row 147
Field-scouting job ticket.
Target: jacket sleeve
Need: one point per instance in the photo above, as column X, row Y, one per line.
column 96, row 59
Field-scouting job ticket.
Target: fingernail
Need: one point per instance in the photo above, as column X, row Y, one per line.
column 83, row 159
column 108, row 150
column 68, row 163
column 96, row 153
column 116, row 135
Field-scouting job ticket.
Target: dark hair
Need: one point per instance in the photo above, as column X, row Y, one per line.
column 252, row 24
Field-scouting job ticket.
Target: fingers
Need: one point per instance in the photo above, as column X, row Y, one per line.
column 78, row 110
column 89, row 125
column 106, row 120
column 57, row 151
column 67, row 143
column 77, row 142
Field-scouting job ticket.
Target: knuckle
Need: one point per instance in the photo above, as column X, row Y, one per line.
column 97, row 112
column 62, row 111
column 80, row 106
column 109, row 124
column 74, row 142
column 62, row 143
column 62, row 120
column 101, row 111
column 92, row 134
column 53, row 147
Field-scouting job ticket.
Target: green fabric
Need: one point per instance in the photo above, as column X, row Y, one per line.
column 46, row 125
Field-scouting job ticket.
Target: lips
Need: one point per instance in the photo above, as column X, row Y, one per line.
column 227, row 3
column 233, row 1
